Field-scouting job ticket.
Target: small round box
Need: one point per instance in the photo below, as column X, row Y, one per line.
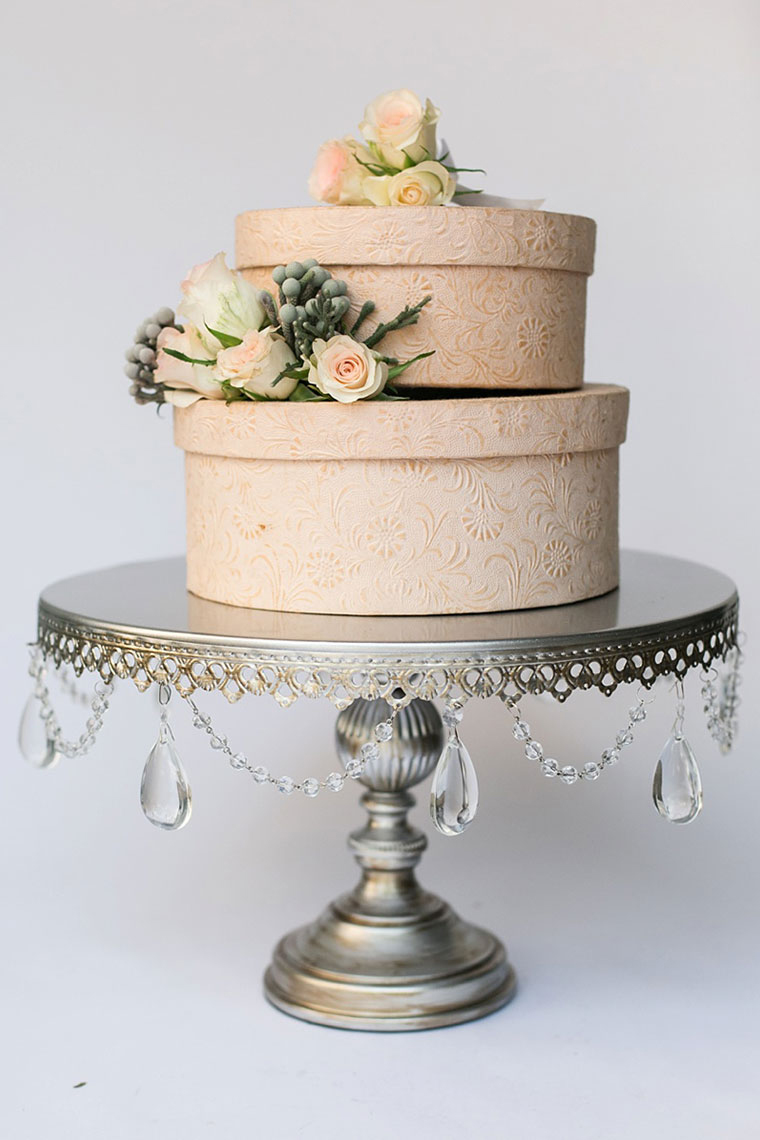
column 508, row 287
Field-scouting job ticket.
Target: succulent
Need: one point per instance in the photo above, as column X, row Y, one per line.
column 141, row 358
column 312, row 304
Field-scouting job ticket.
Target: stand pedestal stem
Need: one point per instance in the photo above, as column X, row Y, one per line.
column 389, row 955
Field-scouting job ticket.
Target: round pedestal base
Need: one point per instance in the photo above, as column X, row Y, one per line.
column 354, row 970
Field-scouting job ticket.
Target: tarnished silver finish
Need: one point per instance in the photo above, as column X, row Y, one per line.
column 389, row 955
column 139, row 622
column 405, row 760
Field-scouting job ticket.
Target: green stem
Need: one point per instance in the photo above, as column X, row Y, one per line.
column 408, row 316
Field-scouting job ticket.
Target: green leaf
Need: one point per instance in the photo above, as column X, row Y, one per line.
column 225, row 339
column 293, row 372
column 399, row 368
column 380, row 163
column 460, row 193
column 235, row 395
column 375, row 168
column 187, row 359
column 303, row 393
column 389, row 396
column 464, row 169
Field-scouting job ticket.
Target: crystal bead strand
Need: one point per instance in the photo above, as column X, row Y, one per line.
column 311, row 786
column 722, row 704
column 71, row 689
column 454, row 790
column 677, row 787
column 40, row 736
column 569, row 774
column 165, row 796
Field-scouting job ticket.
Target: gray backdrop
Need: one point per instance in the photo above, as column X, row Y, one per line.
column 130, row 959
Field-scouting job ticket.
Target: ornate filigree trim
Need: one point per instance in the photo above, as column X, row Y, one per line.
column 194, row 664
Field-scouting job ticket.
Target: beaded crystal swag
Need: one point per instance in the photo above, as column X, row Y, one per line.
column 165, row 794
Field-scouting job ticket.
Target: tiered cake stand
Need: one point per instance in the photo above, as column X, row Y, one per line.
column 389, row 955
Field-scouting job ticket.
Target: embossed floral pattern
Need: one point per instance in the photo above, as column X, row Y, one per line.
column 482, row 523
column 439, row 507
column 556, row 558
column 383, row 242
column 474, row 235
column 591, row 520
column 501, row 316
column 533, row 337
column 541, row 232
column 324, row 568
column 385, row 536
column 490, row 327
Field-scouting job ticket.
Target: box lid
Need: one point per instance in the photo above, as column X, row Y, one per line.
column 415, row 235
column 591, row 418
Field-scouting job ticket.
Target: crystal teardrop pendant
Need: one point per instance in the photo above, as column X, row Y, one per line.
column 164, row 791
column 454, row 793
column 677, row 788
column 33, row 740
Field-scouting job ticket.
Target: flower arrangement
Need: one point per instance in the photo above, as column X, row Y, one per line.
column 237, row 342
column 396, row 164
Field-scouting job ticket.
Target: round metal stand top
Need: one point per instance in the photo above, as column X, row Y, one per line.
column 138, row 621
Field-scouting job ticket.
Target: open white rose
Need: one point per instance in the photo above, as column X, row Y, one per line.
column 337, row 177
column 255, row 363
column 345, row 369
column 399, row 126
column 186, row 382
column 427, row 184
column 216, row 298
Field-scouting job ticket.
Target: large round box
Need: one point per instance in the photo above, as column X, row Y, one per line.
column 417, row 507
column 508, row 287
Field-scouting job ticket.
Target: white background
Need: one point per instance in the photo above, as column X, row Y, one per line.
column 131, row 959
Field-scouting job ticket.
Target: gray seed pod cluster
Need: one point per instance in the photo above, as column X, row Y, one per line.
column 312, row 304
column 141, row 358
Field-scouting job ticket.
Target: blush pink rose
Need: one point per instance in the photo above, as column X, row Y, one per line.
column 337, row 176
column 401, row 128
column 185, row 382
column 255, row 363
column 346, row 369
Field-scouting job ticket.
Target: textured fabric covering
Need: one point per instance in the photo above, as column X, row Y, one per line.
column 447, row 506
column 508, row 287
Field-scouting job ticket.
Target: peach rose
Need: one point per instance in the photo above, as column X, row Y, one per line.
column 337, row 177
column 346, row 369
column 400, row 127
column 255, row 363
column 185, row 382
column 427, row 184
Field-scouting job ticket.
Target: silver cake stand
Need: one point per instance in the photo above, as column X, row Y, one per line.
column 389, row 955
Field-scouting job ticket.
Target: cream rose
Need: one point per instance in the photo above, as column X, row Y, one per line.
column 346, row 370
column 399, row 126
column 427, row 184
column 337, row 176
column 255, row 363
column 216, row 298
column 186, row 382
